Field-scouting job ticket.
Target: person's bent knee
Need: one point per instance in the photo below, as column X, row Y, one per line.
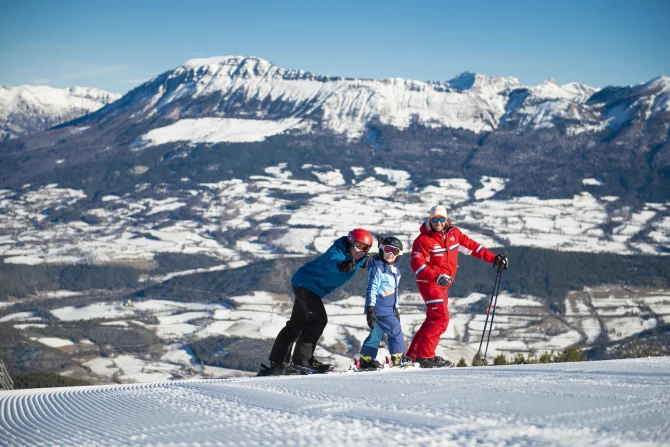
column 321, row 322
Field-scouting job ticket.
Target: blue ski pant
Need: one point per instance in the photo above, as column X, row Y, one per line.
column 389, row 325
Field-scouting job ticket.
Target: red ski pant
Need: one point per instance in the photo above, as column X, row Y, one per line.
column 437, row 319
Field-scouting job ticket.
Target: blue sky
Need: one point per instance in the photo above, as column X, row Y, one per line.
column 116, row 45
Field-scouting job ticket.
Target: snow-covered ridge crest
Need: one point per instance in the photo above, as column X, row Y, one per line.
column 551, row 89
column 242, row 67
column 253, row 88
column 31, row 108
column 227, row 89
column 475, row 81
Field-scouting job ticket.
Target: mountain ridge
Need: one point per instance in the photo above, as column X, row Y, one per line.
column 28, row 109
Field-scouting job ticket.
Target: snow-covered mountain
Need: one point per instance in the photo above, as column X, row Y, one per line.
column 28, row 109
column 640, row 102
column 205, row 101
column 623, row 402
column 226, row 89
column 236, row 98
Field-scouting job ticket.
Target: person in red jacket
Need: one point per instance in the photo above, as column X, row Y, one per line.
column 435, row 261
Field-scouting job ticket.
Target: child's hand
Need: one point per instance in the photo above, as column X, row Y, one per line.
column 371, row 316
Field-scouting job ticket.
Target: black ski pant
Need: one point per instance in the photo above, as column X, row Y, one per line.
column 304, row 328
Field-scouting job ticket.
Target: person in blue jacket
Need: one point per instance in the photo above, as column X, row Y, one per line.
column 381, row 306
column 311, row 283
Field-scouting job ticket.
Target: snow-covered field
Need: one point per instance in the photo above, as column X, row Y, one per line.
column 622, row 403
column 132, row 229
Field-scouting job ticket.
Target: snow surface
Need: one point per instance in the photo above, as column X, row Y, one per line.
column 96, row 310
column 127, row 368
column 218, row 130
column 55, row 342
column 19, row 316
column 491, row 185
column 592, row 182
column 622, row 402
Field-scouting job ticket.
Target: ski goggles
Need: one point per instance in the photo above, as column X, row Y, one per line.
column 438, row 219
column 395, row 251
column 360, row 246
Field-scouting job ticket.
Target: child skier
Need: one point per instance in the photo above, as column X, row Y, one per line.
column 381, row 306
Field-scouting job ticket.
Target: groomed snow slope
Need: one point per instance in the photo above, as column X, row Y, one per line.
column 623, row 402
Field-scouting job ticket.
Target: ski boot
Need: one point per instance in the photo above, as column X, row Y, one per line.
column 366, row 362
column 399, row 360
column 280, row 369
column 319, row 367
column 434, row 362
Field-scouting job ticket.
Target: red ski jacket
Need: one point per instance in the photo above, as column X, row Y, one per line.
column 436, row 252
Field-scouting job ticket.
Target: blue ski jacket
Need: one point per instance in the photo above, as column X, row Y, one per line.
column 321, row 275
column 382, row 290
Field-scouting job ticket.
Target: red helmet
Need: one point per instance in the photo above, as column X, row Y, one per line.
column 360, row 235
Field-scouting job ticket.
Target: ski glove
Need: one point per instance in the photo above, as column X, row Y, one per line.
column 397, row 314
column 443, row 280
column 371, row 316
column 346, row 266
column 501, row 260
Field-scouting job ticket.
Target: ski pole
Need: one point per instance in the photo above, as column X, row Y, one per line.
column 493, row 315
column 488, row 312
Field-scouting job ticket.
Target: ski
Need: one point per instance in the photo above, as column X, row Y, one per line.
column 386, row 366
